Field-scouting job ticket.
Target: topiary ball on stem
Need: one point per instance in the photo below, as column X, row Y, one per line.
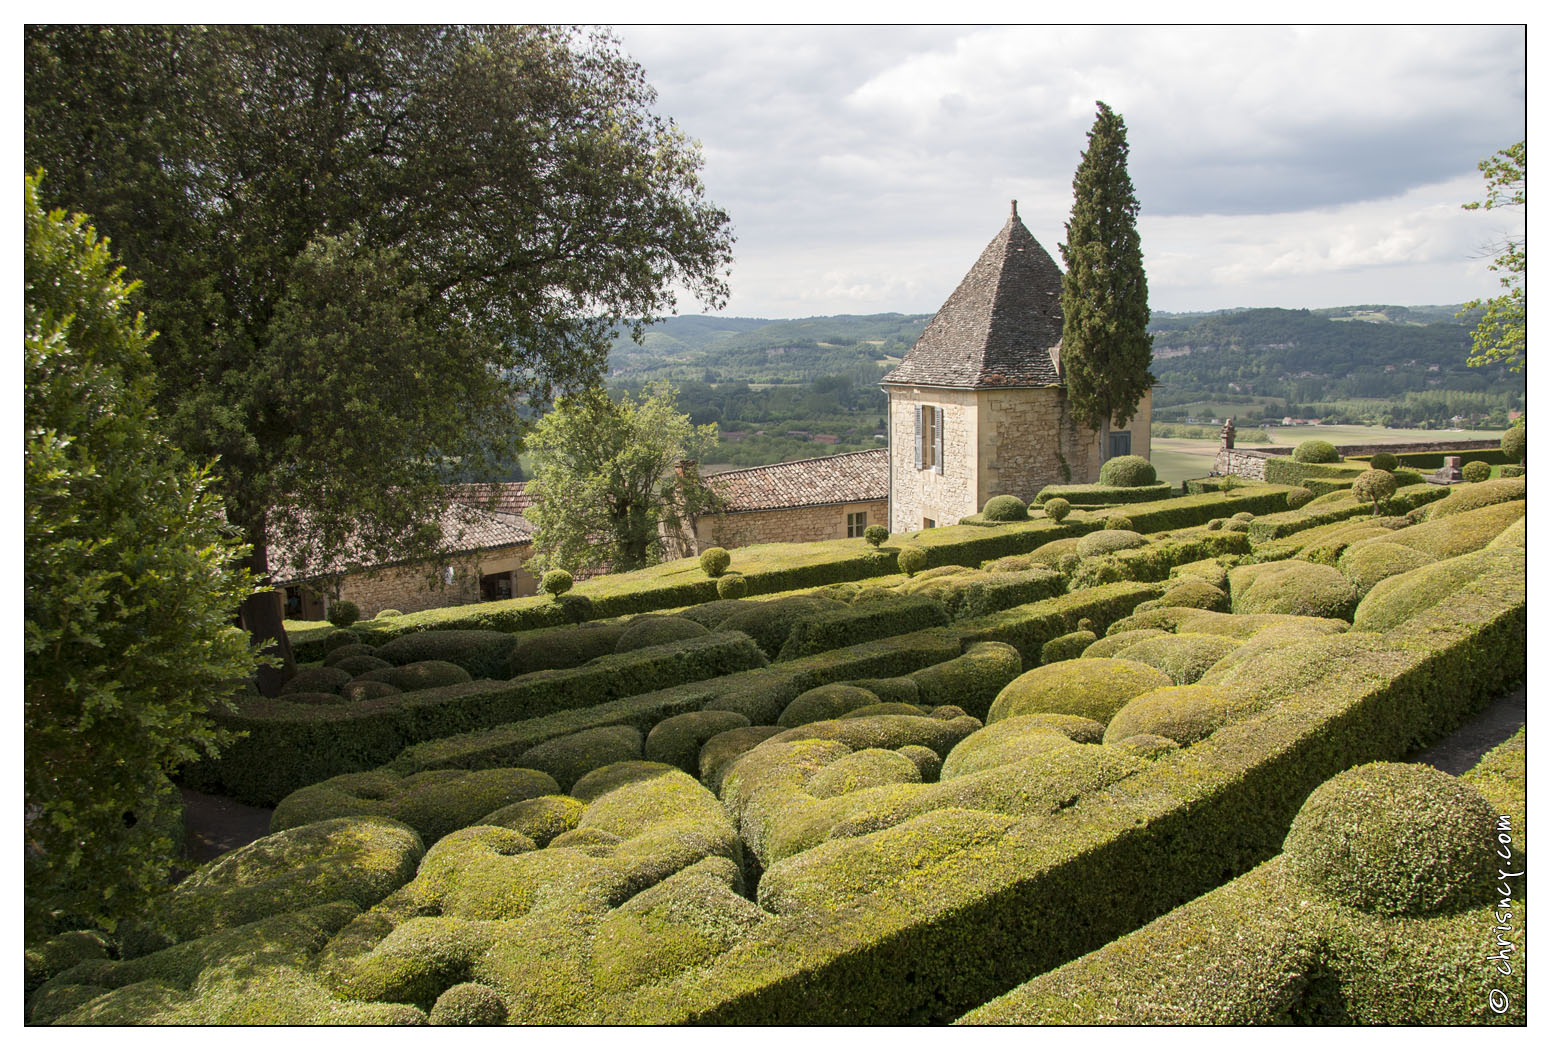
column 875, row 535
column 1057, row 508
column 344, row 613
column 1005, row 509
column 912, row 560
column 1316, row 450
column 557, row 582
column 1376, row 486
column 1476, row 471
column 1515, row 443
column 1128, row 472
column 715, row 560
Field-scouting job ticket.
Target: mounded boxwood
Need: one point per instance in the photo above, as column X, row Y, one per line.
column 1458, row 534
column 1183, row 657
column 1298, row 496
column 1101, row 495
column 1400, row 839
column 1515, row 443
column 1005, row 509
column 1374, row 487
column 1303, row 589
column 769, row 623
column 567, row 759
column 1184, row 714
column 1066, row 647
column 1107, row 541
column 1316, row 450
column 715, row 560
column 422, row 675
column 847, row 626
column 1368, row 564
column 343, row 613
column 1057, row 508
column 339, row 653
column 912, row 559
column 469, row 1003
column 1092, row 688
column 1468, row 497
column 652, row 630
column 483, row 654
column 1383, row 461
column 732, row 586
column 316, row 680
column 825, row 702
column 561, row 647
column 1128, row 472
column 970, row 681
column 1396, row 599
column 679, row 738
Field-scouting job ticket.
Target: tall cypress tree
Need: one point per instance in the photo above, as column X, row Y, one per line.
column 1105, row 346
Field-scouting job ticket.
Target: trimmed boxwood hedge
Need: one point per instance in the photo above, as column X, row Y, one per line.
column 832, row 629
column 1028, row 628
column 1104, row 495
column 289, row 746
column 483, row 654
column 1274, row 526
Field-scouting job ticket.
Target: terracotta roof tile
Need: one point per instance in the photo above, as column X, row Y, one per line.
column 507, row 498
column 1002, row 325
column 841, row 479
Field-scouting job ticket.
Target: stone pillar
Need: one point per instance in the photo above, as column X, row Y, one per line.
column 1228, row 434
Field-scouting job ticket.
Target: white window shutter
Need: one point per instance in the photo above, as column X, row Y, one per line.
column 920, row 439
column 937, row 441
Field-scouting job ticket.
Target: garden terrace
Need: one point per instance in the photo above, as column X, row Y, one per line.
column 1048, row 752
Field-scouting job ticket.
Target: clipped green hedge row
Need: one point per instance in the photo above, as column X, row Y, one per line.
column 987, row 917
column 1157, row 560
column 1101, row 495
column 1028, row 628
column 1434, row 460
column 864, row 623
column 291, row 745
column 764, row 691
column 1285, row 523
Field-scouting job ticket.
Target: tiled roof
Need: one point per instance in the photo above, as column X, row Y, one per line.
column 1002, row 325
column 841, row 479
column 464, row 529
column 507, row 498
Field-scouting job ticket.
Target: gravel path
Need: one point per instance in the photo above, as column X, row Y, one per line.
column 1463, row 748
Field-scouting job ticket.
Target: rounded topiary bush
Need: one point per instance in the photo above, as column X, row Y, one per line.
column 1383, row 461
column 1298, row 496
column 1183, row 657
column 825, row 702
column 1066, row 647
column 1057, row 508
column 343, row 637
column 1243, row 516
column 422, row 675
column 1183, row 714
column 657, row 631
column 679, row 738
column 1005, row 509
column 469, row 1004
column 343, row 613
column 1233, row 525
column 1304, row 589
column 1128, row 472
column 1367, row 564
column 1476, row 471
column 360, row 664
column 1515, row 443
column 317, row 680
column 866, row 768
column 383, row 614
column 1118, row 522
column 1107, row 541
column 1147, row 746
column 568, row 759
column 715, row 560
column 769, row 623
column 1008, row 741
column 576, row 609
column 556, row 582
column 339, row 653
column 875, row 534
column 1092, row 688
column 1399, row 839
column 1215, row 524
column 718, row 754
column 1316, row 450
column 732, row 586
column 1511, row 470
column 912, row 560
column 367, row 689
column 1374, row 487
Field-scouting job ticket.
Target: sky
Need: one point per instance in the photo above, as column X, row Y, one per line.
column 865, row 168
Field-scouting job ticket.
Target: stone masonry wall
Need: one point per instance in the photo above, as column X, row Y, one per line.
column 1251, row 463
column 411, row 588
column 1020, row 435
column 788, row 525
column 919, row 495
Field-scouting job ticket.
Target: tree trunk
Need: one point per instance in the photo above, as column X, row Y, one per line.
column 263, row 615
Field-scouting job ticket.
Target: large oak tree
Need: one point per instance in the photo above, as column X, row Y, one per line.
column 363, row 246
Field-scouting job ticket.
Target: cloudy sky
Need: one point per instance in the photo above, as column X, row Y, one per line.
column 866, row 168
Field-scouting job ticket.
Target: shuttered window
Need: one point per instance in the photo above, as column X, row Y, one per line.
column 937, row 440
column 929, row 438
column 920, row 437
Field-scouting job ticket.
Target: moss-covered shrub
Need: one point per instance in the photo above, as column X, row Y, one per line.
column 1368, row 564
column 1316, row 450
column 1002, row 743
column 1066, row 647
column 1114, row 643
column 866, row 768
column 340, row 637
column 483, row 654
column 1093, row 688
column 1183, row 714
column 1302, row 589
column 732, row 586
column 1128, row 472
column 653, row 630
column 432, row 802
column 343, row 613
column 316, row 680
column 422, row 675
column 679, row 739
column 1398, row 839
column 769, row 623
column 1298, row 496
column 1397, row 599
column 1106, row 541
column 555, row 582
column 595, row 784
column 714, row 561
column 825, row 702
column 1375, row 487
column 356, row 859
column 912, row 559
column 1056, row 509
column 469, row 1003
column 1005, row 509
column 568, row 758
column 1212, row 570
column 1382, row 461
column 541, row 818
column 1515, row 443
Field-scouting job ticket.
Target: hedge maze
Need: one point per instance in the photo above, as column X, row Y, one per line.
column 1062, row 774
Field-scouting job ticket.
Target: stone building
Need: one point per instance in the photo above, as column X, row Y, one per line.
column 823, row 498
column 978, row 407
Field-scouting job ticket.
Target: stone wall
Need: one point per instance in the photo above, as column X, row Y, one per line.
column 1020, row 438
column 787, row 525
column 920, row 495
column 1251, row 463
column 418, row 586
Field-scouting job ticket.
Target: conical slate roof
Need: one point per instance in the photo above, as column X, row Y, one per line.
column 1002, row 325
